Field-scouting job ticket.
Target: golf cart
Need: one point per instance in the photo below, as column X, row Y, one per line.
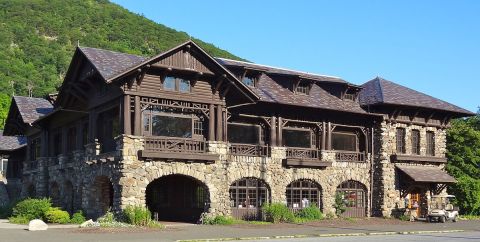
column 442, row 209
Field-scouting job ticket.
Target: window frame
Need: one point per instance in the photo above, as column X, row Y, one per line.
column 149, row 115
column 260, row 140
column 357, row 141
column 237, row 191
column 296, row 188
column 415, row 139
column 303, row 86
column 400, row 142
column 35, row 148
column 312, row 136
column 177, row 84
column 430, row 143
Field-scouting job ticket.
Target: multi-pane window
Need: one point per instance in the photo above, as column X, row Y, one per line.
column 303, row 193
column 243, row 133
column 249, row 81
column 171, row 125
column 248, row 193
column 71, row 139
column 344, row 141
column 353, row 194
column 400, row 135
column 430, row 143
column 35, row 149
column 177, row 84
column 297, row 138
column 415, row 142
column 197, row 127
column 303, row 87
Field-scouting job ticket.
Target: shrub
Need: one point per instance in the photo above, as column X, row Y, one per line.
column 310, row 213
column 57, row 216
column 138, row 216
column 31, row 208
column 404, row 217
column 18, row 220
column 78, row 218
column 277, row 212
column 108, row 217
column 219, row 220
column 339, row 204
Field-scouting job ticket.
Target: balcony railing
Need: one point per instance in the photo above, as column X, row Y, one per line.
column 349, row 156
column 248, row 149
column 173, row 144
column 302, row 153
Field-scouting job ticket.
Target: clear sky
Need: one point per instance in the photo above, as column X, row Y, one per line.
column 431, row 46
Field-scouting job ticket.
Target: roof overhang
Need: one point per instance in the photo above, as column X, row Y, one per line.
column 426, row 174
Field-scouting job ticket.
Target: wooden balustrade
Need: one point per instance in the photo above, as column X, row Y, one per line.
column 349, row 156
column 249, row 149
column 302, row 153
column 173, row 144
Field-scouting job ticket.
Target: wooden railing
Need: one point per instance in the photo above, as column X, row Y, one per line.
column 175, row 145
column 248, row 149
column 302, row 153
column 349, row 156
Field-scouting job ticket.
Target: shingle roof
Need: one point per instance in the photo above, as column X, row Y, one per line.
column 110, row 63
column 32, row 108
column 426, row 174
column 280, row 71
column 8, row 143
column 381, row 91
column 270, row 90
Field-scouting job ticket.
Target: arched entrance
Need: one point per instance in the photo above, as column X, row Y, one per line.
column 303, row 193
column 247, row 196
column 68, row 197
column 177, row 198
column 55, row 194
column 102, row 195
column 354, row 197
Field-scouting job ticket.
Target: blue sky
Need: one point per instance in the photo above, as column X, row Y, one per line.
column 431, row 46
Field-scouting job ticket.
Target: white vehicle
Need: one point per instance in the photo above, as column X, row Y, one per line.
column 442, row 209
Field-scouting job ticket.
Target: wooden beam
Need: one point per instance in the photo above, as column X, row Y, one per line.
column 273, row 131
column 138, row 117
column 280, row 132
column 329, row 140
column 211, row 123
column 127, row 118
column 324, row 132
column 219, row 83
column 219, row 123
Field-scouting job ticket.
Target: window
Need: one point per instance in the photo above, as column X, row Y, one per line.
column 415, row 142
column 171, row 126
column 303, row 87
column 108, row 127
column 35, row 149
column 303, row 193
column 430, row 143
column 344, row 141
column 248, row 193
column 177, row 84
column 71, row 139
column 354, row 197
column 198, row 127
column 400, row 140
column 3, row 167
column 297, row 138
column 243, row 133
column 249, row 81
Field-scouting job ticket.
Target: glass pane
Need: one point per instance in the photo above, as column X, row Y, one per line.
column 171, row 126
column 248, row 81
column 169, row 83
column 297, row 138
column 184, row 85
column 244, row 134
column 146, row 123
column 344, row 142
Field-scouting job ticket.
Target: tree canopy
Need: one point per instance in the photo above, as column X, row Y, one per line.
column 38, row 37
column 463, row 152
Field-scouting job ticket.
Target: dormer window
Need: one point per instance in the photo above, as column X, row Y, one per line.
column 249, row 81
column 171, row 83
column 303, row 87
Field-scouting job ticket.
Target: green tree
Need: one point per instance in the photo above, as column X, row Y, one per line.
column 463, row 152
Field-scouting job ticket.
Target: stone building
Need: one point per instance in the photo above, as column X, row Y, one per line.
column 188, row 135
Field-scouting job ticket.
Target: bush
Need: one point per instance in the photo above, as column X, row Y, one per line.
column 219, row 220
column 404, row 217
column 138, row 216
column 31, row 208
column 310, row 213
column 277, row 212
column 339, row 205
column 57, row 216
column 107, row 218
column 18, row 220
column 78, row 218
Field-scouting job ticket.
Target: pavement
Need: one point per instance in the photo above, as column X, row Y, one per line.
column 285, row 232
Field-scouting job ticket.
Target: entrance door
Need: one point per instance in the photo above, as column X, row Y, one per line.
column 177, row 198
column 415, row 203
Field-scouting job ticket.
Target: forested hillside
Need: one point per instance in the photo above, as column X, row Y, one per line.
column 37, row 39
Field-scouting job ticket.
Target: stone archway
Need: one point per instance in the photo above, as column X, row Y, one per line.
column 68, row 197
column 247, row 195
column 354, row 197
column 101, row 195
column 54, row 194
column 177, row 198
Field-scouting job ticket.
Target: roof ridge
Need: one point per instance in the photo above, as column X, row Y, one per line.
column 114, row 51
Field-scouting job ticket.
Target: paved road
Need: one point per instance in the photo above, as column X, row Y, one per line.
column 443, row 237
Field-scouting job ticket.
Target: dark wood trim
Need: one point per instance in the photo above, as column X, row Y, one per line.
column 329, row 133
column 294, row 162
column 417, row 158
column 127, row 119
column 138, row 117
column 179, row 156
column 273, row 130
column 219, row 123
column 280, row 132
column 211, row 123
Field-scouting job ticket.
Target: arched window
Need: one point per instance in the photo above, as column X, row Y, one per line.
column 247, row 196
column 303, row 193
column 353, row 194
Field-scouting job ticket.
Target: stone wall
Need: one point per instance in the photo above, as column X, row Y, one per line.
column 386, row 184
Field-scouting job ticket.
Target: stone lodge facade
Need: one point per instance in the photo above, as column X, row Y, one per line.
column 188, row 135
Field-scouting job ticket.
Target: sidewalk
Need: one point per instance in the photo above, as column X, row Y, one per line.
column 4, row 224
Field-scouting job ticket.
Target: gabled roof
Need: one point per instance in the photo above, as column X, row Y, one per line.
column 270, row 90
column 32, row 108
column 380, row 91
column 280, row 71
column 110, row 63
column 9, row 143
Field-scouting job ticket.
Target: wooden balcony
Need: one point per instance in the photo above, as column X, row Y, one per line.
column 249, row 150
column 304, row 157
column 349, row 156
column 176, row 148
